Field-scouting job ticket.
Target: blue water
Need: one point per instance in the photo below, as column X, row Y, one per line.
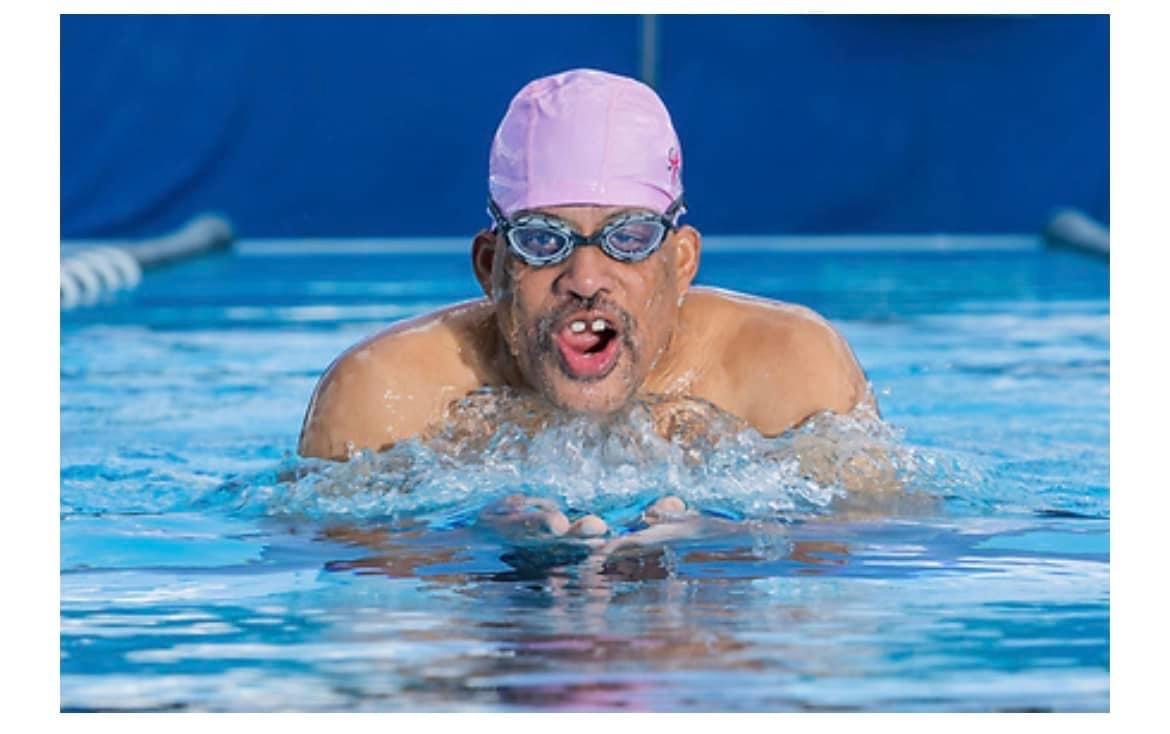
column 204, row 567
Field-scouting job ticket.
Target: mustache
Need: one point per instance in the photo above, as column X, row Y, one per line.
column 546, row 325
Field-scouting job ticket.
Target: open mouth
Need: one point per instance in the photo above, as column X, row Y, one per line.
column 588, row 345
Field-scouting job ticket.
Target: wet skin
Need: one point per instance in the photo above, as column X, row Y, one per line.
column 771, row 364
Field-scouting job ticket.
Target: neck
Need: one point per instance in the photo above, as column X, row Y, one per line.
column 672, row 372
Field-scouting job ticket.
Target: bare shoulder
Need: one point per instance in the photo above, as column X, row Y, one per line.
column 784, row 362
column 393, row 384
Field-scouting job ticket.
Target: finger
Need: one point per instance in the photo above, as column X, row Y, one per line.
column 520, row 517
column 667, row 508
column 590, row 526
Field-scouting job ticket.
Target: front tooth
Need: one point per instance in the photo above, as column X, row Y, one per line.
column 577, row 326
column 599, row 324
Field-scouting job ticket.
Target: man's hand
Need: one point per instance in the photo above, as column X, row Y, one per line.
column 523, row 520
column 533, row 521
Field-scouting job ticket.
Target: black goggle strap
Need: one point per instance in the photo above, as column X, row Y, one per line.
column 498, row 218
column 676, row 209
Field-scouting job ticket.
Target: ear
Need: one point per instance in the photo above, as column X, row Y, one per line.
column 688, row 244
column 483, row 258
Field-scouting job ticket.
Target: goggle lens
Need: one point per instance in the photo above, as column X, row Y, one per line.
column 539, row 242
column 635, row 238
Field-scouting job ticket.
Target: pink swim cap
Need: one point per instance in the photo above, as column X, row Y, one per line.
column 585, row 137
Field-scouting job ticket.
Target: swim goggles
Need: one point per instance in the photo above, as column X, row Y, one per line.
column 539, row 239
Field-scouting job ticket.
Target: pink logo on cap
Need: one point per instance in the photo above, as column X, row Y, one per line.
column 673, row 164
column 585, row 137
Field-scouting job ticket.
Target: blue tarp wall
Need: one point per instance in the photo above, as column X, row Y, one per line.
column 298, row 126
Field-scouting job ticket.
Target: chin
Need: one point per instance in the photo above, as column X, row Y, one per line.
column 590, row 404
column 597, row 398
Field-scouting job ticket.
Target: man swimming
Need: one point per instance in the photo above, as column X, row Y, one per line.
column 586, row 272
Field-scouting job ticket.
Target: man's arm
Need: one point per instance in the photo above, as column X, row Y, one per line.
column 374, row 395
column 799, row 366
column 398, row 383
column 815, row 372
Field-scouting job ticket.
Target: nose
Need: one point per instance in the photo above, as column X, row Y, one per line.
column 587, row 272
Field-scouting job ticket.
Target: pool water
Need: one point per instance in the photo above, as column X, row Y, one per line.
column 205, row 567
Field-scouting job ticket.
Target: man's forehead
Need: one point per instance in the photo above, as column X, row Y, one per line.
column 581, row 212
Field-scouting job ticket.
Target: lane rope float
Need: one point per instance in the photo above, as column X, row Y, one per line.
column 92, row 273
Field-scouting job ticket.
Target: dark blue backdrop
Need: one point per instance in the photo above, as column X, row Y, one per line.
column 380, row 126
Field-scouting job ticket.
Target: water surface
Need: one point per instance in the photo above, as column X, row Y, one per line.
column 200, row 573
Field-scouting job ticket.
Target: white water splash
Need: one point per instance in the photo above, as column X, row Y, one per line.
column 498, row 442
